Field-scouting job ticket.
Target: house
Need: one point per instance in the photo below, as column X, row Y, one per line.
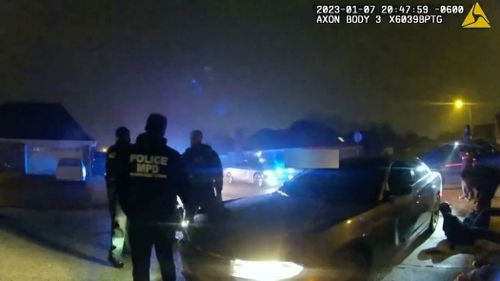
column 34, row 136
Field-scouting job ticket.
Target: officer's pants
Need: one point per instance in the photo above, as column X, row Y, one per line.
column 118, row 224
column 483, row 204
column 143, row 237
column 202, row 197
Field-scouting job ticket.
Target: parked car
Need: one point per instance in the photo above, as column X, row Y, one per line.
column 324, row 224
column 447, row 159
column 71, row 169
column 252, row 171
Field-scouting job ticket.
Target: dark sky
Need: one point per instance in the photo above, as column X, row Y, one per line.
column 220, row 65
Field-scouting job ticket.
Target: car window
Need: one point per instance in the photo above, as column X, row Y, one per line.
column 483, row 150
column 348, row 185
column 445, row 153
column 401, row 175
column 420, row 170
column 479, row 148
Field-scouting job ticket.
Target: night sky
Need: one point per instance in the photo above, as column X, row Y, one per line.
column 221, row 65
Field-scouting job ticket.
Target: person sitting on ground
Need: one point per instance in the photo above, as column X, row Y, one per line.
column 457, row 233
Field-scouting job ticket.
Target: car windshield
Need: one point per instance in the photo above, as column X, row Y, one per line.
column 354, row 182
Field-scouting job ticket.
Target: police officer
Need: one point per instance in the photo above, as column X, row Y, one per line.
column 205, row 173
column 467, row 163
column 114, row 166
column 485, row 180
column 154, row 179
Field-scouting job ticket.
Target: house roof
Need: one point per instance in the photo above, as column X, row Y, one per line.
column 41, row 121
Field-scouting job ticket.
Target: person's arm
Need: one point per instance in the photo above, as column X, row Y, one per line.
column 218, row 175
column 110, row 157
column 122, row 183
column 182, row 181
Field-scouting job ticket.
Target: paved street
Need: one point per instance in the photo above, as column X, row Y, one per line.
column 47, row 245
column 72, row 245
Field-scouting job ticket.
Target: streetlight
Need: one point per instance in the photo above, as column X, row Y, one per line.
column 459, row 104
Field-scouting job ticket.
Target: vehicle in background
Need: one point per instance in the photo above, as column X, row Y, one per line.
column 257, row 172
column 324, row 224
column 71, row 169
column 99, row 164
column 447, row 159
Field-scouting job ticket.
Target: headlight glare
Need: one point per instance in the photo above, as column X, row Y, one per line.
column 265, row 270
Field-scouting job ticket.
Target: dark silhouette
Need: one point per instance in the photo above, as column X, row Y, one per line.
column 155, row 177
column 205, row 174
column 459, row 233
column 485, row 180
column 114, row 166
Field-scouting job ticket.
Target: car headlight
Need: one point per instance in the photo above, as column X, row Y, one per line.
column 269, row 173
column 184, row 223
column 279, row 171
column 265, row 270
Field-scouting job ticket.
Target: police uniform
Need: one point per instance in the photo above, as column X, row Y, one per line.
column 155, row 178
column 205, row 174
column 114, row 166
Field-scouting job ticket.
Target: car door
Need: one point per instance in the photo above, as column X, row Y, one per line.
column 248, row 172
column 404, row 197
column 428, row 186
column 426, row 194
column 239, row 172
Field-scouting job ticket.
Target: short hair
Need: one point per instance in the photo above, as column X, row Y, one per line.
column 197, row 133
column 156, row 123
column 122, row 132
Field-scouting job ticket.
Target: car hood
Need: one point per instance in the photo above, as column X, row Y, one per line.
column 266, row 226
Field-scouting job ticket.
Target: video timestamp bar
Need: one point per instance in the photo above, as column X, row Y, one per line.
column 387, row 14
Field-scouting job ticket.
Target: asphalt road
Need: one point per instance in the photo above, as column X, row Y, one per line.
column 72, row 245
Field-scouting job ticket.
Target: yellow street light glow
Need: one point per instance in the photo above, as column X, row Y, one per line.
column 458, row 104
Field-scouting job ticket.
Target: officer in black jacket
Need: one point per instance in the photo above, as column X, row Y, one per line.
column 114, row 166
column 154, row 179
column 205, row 174
column 485, row 180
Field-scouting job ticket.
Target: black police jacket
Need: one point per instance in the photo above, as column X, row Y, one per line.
column 155, row 177
column 203, row 166
column 116, row 159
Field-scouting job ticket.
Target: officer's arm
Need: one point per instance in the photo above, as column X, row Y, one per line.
column 218, row 173
column 182, row 182
column 122, row 183
column 109, row 158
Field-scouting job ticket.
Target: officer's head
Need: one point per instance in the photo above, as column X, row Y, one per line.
column 122, row 134
column 156, row 124
column 196, row 137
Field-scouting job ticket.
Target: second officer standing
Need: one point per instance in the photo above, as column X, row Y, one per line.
column 205, row 174
column 114, row 166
